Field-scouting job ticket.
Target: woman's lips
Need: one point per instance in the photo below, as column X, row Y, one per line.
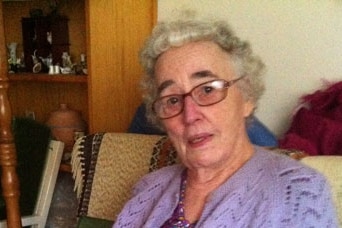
column 199, row 140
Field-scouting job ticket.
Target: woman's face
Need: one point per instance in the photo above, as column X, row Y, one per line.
column 204, row 136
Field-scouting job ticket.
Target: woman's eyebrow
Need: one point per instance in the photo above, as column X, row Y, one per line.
column 203, row 74
column 164, row 85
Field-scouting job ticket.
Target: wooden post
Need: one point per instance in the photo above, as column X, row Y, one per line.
column 8, row 157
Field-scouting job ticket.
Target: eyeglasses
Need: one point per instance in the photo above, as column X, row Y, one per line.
column 204, row 94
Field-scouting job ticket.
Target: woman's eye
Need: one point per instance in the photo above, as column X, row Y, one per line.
column 207, row 89
column 172, row 100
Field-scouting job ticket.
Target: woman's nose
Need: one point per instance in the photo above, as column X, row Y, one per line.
column 191, row 110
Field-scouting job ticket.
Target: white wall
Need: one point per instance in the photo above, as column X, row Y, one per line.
column 299, row 40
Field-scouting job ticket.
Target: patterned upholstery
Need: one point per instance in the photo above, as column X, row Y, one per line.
column 104, row 165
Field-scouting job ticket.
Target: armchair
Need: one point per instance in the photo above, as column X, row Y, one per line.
column 106, row 166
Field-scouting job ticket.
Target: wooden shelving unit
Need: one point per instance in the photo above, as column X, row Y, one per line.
column 41, row 93
column 108, row 96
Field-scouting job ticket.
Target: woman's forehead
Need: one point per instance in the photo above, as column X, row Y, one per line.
column 193, row 60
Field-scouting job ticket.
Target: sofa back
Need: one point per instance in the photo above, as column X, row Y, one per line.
column 106, row 166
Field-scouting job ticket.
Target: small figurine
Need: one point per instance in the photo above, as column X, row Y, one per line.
column 37, row 65
column 67, row 65
column 12, row 47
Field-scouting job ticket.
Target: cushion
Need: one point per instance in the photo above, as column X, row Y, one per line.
column 259, row 134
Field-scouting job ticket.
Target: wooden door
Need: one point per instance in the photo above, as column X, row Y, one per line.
column 116, row 30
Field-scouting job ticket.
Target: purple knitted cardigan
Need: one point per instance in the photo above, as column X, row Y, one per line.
column 270, row 190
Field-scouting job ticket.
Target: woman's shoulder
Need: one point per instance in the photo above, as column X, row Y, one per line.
column 296, row 187
column 284, row 167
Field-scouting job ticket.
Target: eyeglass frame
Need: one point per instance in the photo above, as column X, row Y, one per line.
column 225, row 87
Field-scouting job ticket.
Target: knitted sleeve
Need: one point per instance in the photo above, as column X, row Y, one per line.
column 307, row 200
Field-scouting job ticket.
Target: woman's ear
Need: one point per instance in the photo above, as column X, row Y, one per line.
column 249, row 107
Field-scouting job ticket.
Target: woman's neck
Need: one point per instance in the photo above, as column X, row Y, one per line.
column 210, row 178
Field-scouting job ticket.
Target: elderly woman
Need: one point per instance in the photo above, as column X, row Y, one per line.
column 202, row 84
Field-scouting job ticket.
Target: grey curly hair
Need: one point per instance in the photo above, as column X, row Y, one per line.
column 180, row 32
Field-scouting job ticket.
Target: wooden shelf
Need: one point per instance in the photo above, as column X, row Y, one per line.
column 64, row 78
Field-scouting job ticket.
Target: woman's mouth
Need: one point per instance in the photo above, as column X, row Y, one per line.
column 199, row 140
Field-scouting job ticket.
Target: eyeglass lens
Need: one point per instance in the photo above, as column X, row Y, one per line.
column 205, row 94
